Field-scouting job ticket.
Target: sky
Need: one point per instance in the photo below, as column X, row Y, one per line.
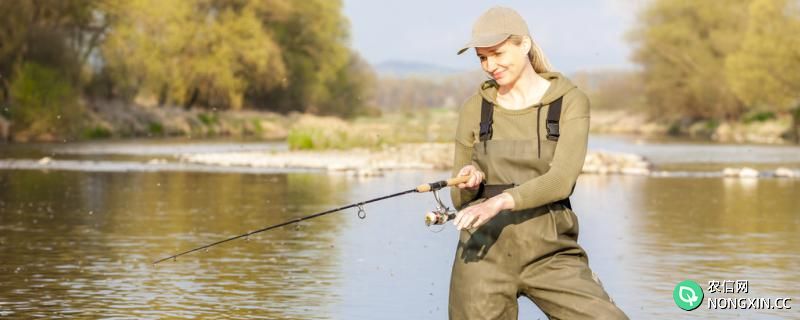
column 576, row 35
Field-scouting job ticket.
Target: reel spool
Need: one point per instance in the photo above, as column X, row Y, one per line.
column 438, row 217
column 441, row 214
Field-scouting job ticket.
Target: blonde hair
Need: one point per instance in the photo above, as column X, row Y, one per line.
column 536, row 55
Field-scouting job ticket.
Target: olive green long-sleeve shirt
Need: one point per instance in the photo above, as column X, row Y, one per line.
column 567, row 159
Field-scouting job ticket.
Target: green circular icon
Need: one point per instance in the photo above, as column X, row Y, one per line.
column 688, row 295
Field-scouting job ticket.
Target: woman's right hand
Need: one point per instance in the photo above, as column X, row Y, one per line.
column 475, row 177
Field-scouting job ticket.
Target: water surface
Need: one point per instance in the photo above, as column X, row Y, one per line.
column 80, row 244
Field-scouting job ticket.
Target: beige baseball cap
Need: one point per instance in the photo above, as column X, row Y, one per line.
column 495, row 26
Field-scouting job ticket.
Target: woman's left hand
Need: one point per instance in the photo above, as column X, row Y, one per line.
column 475, row 216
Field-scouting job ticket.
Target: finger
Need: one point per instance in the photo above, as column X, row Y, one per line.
column 458, row 217
column 478, row 222
column 474, row 180
column 466, row 222
column 460, row 223
column 470, row 222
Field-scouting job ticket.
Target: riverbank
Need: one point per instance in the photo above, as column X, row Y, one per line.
column 608, row 154
column 359, row 162
column 365, row 162
column 404, row 156
column 117, row 120
column 774, row 129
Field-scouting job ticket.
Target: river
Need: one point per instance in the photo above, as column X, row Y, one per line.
column 79, row 243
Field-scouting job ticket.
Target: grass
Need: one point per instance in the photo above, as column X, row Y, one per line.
column 97, row 133
column 208, row 119
column 155, row 128
column 759, row 116
column 319, row 133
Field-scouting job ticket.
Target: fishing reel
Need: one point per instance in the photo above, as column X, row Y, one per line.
column 441, row 214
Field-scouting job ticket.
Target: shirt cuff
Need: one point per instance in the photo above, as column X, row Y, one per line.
column 517, row 198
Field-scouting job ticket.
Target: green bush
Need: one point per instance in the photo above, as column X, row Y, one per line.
column 155, row 128
column 300, row 140
column 712, row 124
column 674, row 128
column 44, row 102
column 759, row 116
column 97, row 133
column 258, row 129
column 319, row 133
column 208, row 119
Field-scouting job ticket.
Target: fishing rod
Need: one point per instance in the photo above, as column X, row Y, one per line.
column 440, row 215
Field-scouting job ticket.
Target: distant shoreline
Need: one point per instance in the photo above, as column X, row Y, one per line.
column 114, row 120
column 772, row 131
column 362, row 163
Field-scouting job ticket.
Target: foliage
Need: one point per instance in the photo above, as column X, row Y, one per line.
column 766, row 70
column 55, row 34
column 323, row 76
column 312, row 132
column 682, row 46
column 759, row 116
column 155, row 128
column 187, row 52
column 208, row 119
column 45, row 103
column 275, row 55
column 97, row 133
column 349, row 97
column 712, row 59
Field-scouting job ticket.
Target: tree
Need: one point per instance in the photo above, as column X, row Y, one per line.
column 682, row 47
column 44, row 47
column 278, row 55
column 351, row 93
column 188, row 52
column 312, row 36
column 765, row 72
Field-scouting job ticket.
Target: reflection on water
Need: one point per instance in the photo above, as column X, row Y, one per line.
column 84, row 243
column 666, row 230
column 80, row 244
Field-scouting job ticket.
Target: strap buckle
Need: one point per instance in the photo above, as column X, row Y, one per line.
column 552, row 130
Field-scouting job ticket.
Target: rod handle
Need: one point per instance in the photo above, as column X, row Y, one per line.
column 441, row 184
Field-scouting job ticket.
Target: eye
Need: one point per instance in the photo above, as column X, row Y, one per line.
column 481, row 58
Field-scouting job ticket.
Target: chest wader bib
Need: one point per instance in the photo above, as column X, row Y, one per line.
column 532, row 252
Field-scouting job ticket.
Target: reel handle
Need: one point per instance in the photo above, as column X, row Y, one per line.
column 441, row 184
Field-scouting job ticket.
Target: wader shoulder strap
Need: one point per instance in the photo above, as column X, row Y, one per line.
column 553, row 115
column 486, row 120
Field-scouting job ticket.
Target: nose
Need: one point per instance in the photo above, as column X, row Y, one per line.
column 490, row 64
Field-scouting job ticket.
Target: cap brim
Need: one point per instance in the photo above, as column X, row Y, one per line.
column 481, row 41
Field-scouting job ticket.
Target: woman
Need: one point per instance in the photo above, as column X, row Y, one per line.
column 523, row 156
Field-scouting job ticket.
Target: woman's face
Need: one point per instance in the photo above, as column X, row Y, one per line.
column 503, row 62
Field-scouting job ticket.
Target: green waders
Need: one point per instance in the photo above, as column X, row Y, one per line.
column 531, row 252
